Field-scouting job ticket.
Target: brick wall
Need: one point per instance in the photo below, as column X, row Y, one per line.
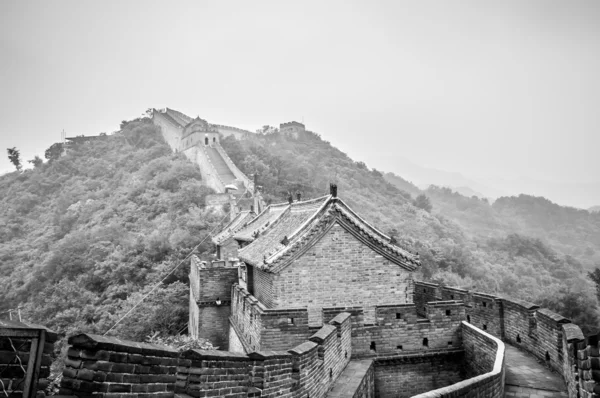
column 307, row 370
column 484, row 364
column 410, row 375
column 110, row 367
column 263, row 286
column 550, row 337
column 261, row 328
column 339, row 270
column 207, row 318
column 398, row 330
column 425, row 292
column 15, row 357
column 520, row 323
column 572, row 337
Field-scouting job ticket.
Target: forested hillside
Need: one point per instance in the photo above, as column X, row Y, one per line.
column 462, row 241
column 85, row 236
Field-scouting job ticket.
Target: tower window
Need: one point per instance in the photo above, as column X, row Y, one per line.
column 373, row 347
column 448, row 312
column 425, row 342
column 398, row 315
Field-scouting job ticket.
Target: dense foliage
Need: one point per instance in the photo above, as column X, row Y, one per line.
column 523, row 247
column 85, row 236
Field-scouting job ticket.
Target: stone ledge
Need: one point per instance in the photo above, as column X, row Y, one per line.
column 304, row 348
column 97, row 342
column 323, row 333
column 546, row 313
column 520, row 303
column 215, row 355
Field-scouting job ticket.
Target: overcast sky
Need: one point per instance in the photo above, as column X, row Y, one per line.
column 486, row 88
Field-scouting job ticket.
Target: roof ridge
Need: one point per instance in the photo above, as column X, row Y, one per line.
column 270, row 224
column 308, row 221
column 377, row 231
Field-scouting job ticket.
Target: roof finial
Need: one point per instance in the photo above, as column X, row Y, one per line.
column 333, row 190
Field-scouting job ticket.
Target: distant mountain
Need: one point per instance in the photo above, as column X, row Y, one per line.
column 466, row 191
column 594, row 209
column 571, row 193
column 402, row 184
column 424, row 176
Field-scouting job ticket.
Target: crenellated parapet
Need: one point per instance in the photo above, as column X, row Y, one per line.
column 549, row 336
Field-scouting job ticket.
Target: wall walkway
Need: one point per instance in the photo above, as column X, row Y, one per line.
column 527, row 378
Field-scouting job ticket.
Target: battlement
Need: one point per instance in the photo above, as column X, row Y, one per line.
column 397, row 329
column 549, row 336
column 106, row 366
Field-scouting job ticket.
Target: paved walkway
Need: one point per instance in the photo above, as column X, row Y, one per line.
column 527, row 378
column 348, row 382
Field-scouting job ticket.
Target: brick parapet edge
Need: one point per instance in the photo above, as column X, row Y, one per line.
column 548, row 336
column 489, row 384
column 108, row 367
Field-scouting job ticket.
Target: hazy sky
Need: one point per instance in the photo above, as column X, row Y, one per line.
column 486, row 88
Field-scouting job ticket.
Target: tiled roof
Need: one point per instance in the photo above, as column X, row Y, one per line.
column 278, row 239
column 262, row 221
column 268, row 242
column 233, row 226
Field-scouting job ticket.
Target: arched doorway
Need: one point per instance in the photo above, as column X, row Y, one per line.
column 206, row 141
column 214, row 139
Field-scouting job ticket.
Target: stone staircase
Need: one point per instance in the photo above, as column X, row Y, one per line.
column 225, row 174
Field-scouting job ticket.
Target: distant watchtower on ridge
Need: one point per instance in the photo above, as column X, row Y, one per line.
column 292, row 128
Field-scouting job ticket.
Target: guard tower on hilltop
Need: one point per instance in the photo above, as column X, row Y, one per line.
column 292, row 128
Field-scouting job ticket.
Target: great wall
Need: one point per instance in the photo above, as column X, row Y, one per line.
column 308, row 300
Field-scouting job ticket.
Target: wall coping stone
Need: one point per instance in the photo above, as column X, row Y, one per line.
column 456, row 303
column 426, row 284
column 455, row 289
column 263, row 355
column 323, row 333
column 399, row 305
column 340, row 318
column 51, row 336
column 215, row 354
column 557, row 318
column 304, row 348
column 485, row 295
column 95, row 341
column 572, row 332
column 521, row 303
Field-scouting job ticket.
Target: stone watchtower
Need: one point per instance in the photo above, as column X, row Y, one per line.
column 292, row 128
column 198, row 132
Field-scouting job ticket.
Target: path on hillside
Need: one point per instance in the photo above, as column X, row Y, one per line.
column 220, row 165
column 527, row 378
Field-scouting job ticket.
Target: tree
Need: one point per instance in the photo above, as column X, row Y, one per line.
column 595, row 277
column 36, row 161
column 54, row 151
column 423, row 202
column 267, row 130
column 14, row 157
